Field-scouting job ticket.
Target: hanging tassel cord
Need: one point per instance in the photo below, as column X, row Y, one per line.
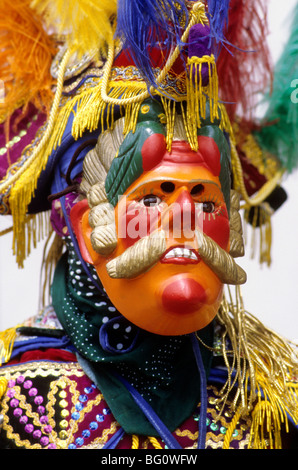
column 263, row 367
column 231, row 429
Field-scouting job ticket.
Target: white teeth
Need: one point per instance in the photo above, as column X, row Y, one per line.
column 180, row 253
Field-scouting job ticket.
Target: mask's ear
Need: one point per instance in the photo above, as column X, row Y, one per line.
column 79, row 219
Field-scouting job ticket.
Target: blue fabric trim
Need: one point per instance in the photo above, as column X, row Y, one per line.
column 204, row 395
column 162, row 430
column 40, row 342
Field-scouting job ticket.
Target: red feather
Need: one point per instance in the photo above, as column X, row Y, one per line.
column 244, row 64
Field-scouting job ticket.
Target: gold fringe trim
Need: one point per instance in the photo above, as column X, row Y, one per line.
column 271, row 414
column 24, row 180
column 89, row 112
column 170, row 113
column 89, row 108
column 28, row 233
column 261, row 369
column 197, row 15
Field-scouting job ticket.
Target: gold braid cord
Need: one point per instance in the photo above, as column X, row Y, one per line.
column 262, row 374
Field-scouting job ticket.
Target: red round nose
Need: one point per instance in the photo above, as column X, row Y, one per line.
column 184, row 296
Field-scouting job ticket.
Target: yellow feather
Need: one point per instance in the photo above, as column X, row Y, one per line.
column 86, row 24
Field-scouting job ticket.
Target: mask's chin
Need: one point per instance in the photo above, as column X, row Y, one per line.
column 168, row 299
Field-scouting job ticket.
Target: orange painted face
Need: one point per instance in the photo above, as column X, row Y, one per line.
column 179, row 294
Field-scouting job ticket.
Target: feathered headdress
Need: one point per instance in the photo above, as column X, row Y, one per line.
column 187, row 53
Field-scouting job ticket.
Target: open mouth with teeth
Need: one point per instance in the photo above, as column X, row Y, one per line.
column 180, row 255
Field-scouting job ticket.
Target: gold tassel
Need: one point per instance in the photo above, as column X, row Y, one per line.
column 135, row 442
column 261, row 224
column 264, row 366
column 3, row 386
column 33, row 230
column 169, row 117
column 27, row 234
column 7, row 339
column 197, row 95
column 270, row 414
column 155, row 442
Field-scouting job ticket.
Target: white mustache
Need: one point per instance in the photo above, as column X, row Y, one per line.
column 139, row 257
column 148, row 250
column 220, row 261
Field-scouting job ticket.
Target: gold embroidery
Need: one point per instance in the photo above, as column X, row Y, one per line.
column 64, row 394
column 63, row 391
column 192, row 436
column 43, row 369
column 100, row 441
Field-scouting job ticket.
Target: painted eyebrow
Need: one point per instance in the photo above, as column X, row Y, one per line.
column 174, row 180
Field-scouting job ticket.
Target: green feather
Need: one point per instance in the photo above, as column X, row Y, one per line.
column 279, row 132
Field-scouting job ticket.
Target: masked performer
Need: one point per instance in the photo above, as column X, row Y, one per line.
column 130, row 130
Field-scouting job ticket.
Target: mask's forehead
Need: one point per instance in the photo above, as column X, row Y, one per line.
column 146, row 148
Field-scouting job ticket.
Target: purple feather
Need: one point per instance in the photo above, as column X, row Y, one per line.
column 145, row 25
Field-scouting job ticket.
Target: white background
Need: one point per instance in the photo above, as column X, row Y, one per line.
column 270, row 293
